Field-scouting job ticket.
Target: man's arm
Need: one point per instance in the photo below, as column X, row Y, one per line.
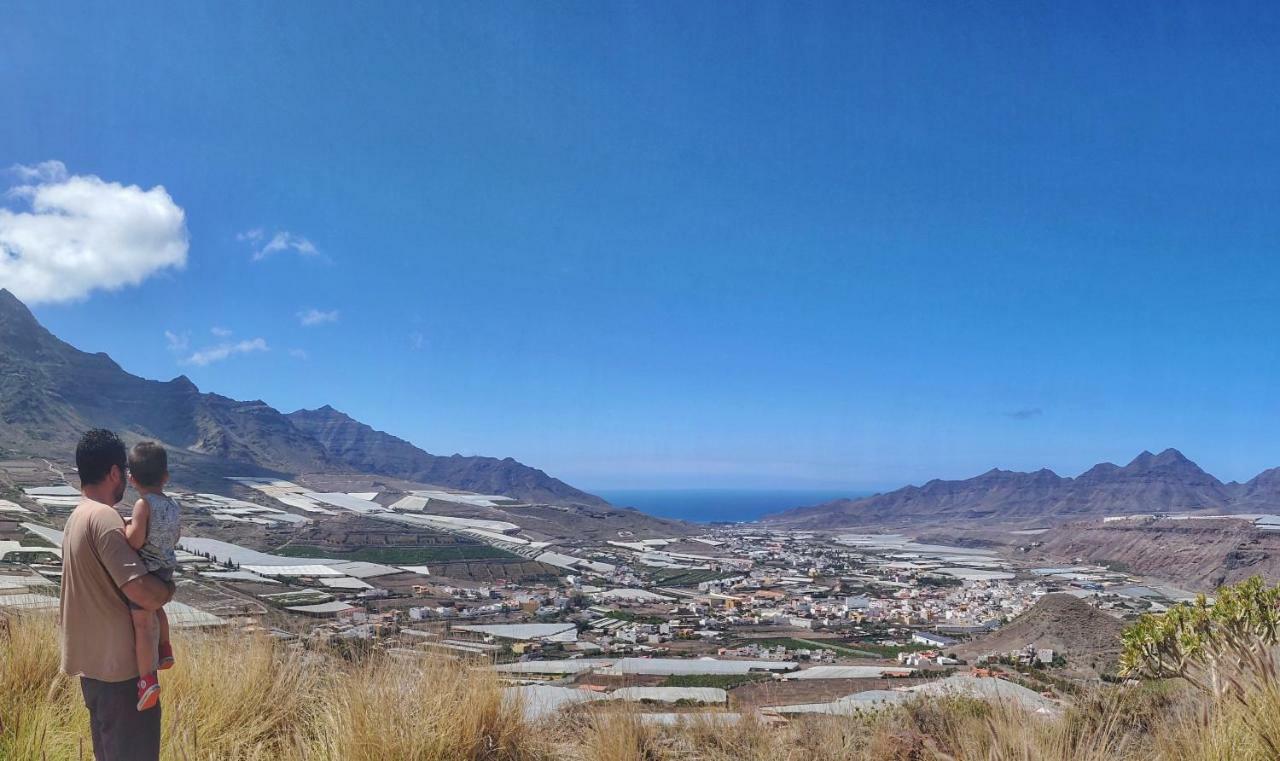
column 147, row 592
column 126, row 568
column 136, row 529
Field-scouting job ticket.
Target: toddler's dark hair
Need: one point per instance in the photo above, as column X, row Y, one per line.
column 148, row 462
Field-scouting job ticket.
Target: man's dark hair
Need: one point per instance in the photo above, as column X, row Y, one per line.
column 148, row 462
column 97, row 451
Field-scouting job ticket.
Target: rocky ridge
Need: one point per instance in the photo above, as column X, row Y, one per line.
column 51, row 391
column 1150, row 483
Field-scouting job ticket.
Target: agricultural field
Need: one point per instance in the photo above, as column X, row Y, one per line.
column 723, row 681
column 676, row 577
column 401, row 555
column 514, row 569
column 887, row 651
column 626, row 615
column 297, row 597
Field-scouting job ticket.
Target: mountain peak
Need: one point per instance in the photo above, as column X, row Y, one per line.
column 1101, row 470
column 325, row 411
column 1169, row 459
column 182, row 381
column 1269, row 479
column 12, row 307
column 19, row 329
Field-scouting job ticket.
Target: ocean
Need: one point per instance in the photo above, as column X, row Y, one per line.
column 707, row 505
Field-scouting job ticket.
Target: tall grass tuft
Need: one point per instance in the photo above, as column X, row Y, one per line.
column 246, row 700
column 41, row 712
column 438, row 710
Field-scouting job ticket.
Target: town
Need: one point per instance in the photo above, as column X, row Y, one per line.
column 737, row 616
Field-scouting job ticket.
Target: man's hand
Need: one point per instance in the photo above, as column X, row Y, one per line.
column 147, row 592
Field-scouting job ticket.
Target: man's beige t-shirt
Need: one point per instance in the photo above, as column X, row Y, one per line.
column 97, row 630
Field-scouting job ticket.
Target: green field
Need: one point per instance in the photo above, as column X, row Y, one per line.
column 891, row 651
column 675, row 577
column 299, row 597
column 626, row 615
column 723, row 681
column 401, row 555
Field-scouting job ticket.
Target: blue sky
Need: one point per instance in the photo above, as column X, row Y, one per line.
column 688, row 245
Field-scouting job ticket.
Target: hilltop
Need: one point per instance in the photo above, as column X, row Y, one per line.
column 1068, row 625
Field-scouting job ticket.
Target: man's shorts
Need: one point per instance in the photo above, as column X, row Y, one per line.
column 163, row 574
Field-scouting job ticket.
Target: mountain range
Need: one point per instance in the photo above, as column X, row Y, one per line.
column 50, row 392
column 1165, row 482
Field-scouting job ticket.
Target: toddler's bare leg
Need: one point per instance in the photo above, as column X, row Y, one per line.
column 164, row 625
column 144, row 640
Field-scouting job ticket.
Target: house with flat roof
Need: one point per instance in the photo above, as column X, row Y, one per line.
column 932, row 640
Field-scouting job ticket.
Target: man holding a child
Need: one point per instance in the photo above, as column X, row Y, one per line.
column 101, row 575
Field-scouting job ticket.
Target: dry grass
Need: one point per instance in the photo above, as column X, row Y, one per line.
column 238, row 697
column 246, row 700
column 436, row 711
column 619, row 736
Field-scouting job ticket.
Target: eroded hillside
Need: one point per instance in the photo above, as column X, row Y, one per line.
column 1199, row 555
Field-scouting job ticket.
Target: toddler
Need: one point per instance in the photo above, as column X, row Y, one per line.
column 153, row 532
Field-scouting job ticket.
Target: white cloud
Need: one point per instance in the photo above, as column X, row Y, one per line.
column 220, row 332
column 176, row 341
column 282, row 240
column 211, row 354
column 45, row 171
column 312, row 317
column 299, row 354
column 70, row 235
